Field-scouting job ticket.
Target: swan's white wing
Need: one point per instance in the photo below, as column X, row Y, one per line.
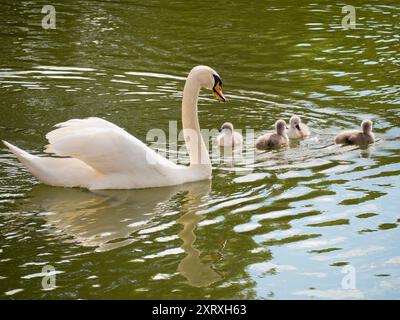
column 107, row 148
column 74, row 125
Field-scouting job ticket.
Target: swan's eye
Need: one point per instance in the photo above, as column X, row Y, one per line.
column 216, row 79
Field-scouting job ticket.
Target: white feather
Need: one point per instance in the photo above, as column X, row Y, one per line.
column 229, row 139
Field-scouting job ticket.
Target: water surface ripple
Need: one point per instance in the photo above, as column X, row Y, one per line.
column 285, row 225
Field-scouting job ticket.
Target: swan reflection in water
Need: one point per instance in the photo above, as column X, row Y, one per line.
column 197, row 273
column 110, row 219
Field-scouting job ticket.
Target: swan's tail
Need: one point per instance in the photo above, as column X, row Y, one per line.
column 62, row 172
column 22, row 155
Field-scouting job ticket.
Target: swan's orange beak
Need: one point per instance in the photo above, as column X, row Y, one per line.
column 217, row 92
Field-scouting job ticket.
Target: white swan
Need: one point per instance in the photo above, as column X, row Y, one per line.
column 297, row 129
column 102, row 155
column 228, row 137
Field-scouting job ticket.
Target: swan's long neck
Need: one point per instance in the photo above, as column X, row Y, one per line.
column 199, row 157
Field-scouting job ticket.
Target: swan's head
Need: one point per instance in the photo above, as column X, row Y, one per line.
column 226, row 126
column 295, row 122
column 280, row 126
column 366, row 126
column 208, row 79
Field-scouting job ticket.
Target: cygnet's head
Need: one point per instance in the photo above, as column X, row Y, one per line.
column 226, row 126
column 280, row 126
column 208, row 79
column 295, row 122
column 366, row 126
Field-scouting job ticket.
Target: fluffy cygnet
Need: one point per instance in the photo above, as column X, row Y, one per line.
column 363, row 137
column 274, row 140
column 227, row 137
column 297, row 129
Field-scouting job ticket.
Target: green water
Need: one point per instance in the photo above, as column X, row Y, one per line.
column 281, row 227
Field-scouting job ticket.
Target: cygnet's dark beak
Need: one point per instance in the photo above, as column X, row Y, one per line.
column 298, row 127
column 219, row 130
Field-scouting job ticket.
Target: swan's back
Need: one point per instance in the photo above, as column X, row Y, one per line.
column 271, row 140
column 229, row 140
column 354, row 137
column 100, row 155
column 237, row 138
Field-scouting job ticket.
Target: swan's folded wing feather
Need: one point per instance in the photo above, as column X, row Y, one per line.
column 66, row 128
column 109, row 150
